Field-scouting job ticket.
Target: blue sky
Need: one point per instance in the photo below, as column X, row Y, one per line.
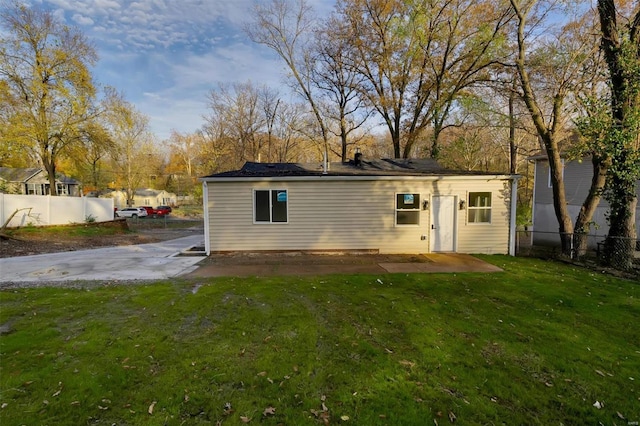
column 166, row 55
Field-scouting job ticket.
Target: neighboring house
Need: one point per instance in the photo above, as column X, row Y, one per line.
column 384, row 206
column 142, row 197
column 577, row 181
column 35, row 181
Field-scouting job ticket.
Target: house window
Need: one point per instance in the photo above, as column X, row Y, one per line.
column 479, row 207
column 407, row 209
column 35, row 189
column 270, row 206
column 62, row 189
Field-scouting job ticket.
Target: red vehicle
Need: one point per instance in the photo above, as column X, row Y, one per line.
column 150, row 210
column 162, row 210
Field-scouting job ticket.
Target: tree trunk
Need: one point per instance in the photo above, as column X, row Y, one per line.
column 548, row 136
column 435, row 143
column 588, row 208
column 620, row 244
column 513, row 149
column 343, row 135
column 395, row 139
column 50, row 167
column 565, row 224
column 623, row 60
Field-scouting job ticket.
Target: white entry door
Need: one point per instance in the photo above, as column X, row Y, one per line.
column 443, row 212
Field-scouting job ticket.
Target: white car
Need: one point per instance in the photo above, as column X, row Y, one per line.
column 132, row 212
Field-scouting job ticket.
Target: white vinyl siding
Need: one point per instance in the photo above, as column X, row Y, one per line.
column 349, row 214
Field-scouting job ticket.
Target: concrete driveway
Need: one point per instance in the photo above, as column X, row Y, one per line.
column 135, row 262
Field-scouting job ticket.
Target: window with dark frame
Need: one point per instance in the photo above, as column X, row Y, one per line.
column 270, row 206
column 407, row 209
column 479, row 207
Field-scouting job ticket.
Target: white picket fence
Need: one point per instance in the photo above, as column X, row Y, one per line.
column 47, row 210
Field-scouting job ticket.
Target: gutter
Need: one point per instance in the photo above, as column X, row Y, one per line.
column 207, row 231
column 356, row 178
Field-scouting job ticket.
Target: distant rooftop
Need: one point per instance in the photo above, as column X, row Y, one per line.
column 10, row 174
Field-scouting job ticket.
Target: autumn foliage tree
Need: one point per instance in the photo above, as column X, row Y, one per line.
column 133, row 151
column 47, row 87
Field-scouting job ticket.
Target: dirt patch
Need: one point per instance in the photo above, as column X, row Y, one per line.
column 28, row 245
column 310, row 258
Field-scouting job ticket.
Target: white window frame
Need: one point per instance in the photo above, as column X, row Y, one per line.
column 398, row 210
column 471, row 208
column 271, row 191
column 62, row 189
column 35, row 189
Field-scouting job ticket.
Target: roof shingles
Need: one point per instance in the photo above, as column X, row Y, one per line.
column 378, row 167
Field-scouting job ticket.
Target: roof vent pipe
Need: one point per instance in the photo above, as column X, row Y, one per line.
column 325, row 165
column 357, row 159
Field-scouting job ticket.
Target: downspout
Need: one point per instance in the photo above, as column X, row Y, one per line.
column 512, row 222
column 205, row 205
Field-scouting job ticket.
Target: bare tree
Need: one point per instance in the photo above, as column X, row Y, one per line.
column 338, row 81
column 237, row 110
column 418, row 57
column 287, row 27
column 270, row 103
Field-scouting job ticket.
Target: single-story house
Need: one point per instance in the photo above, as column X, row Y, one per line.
column 142, row 197
column 35, row 181
column 383, row 206
column 577, row 177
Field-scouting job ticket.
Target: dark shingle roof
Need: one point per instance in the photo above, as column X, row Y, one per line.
column 378, row 167
column 10, row 174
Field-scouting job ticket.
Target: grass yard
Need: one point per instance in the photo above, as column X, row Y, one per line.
column 537, row 344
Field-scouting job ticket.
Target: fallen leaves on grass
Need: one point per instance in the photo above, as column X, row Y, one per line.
column 269, row 411
column 245, row 419
column 323, row 413
column 603, row 374
column 406, row 363
column 151, row 407
column 59, row 390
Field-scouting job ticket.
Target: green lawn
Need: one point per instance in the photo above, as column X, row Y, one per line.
column 537, row 344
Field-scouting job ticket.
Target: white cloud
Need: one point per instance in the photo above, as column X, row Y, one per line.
column 105, row 4
column 165, row 55
column 82, row 20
